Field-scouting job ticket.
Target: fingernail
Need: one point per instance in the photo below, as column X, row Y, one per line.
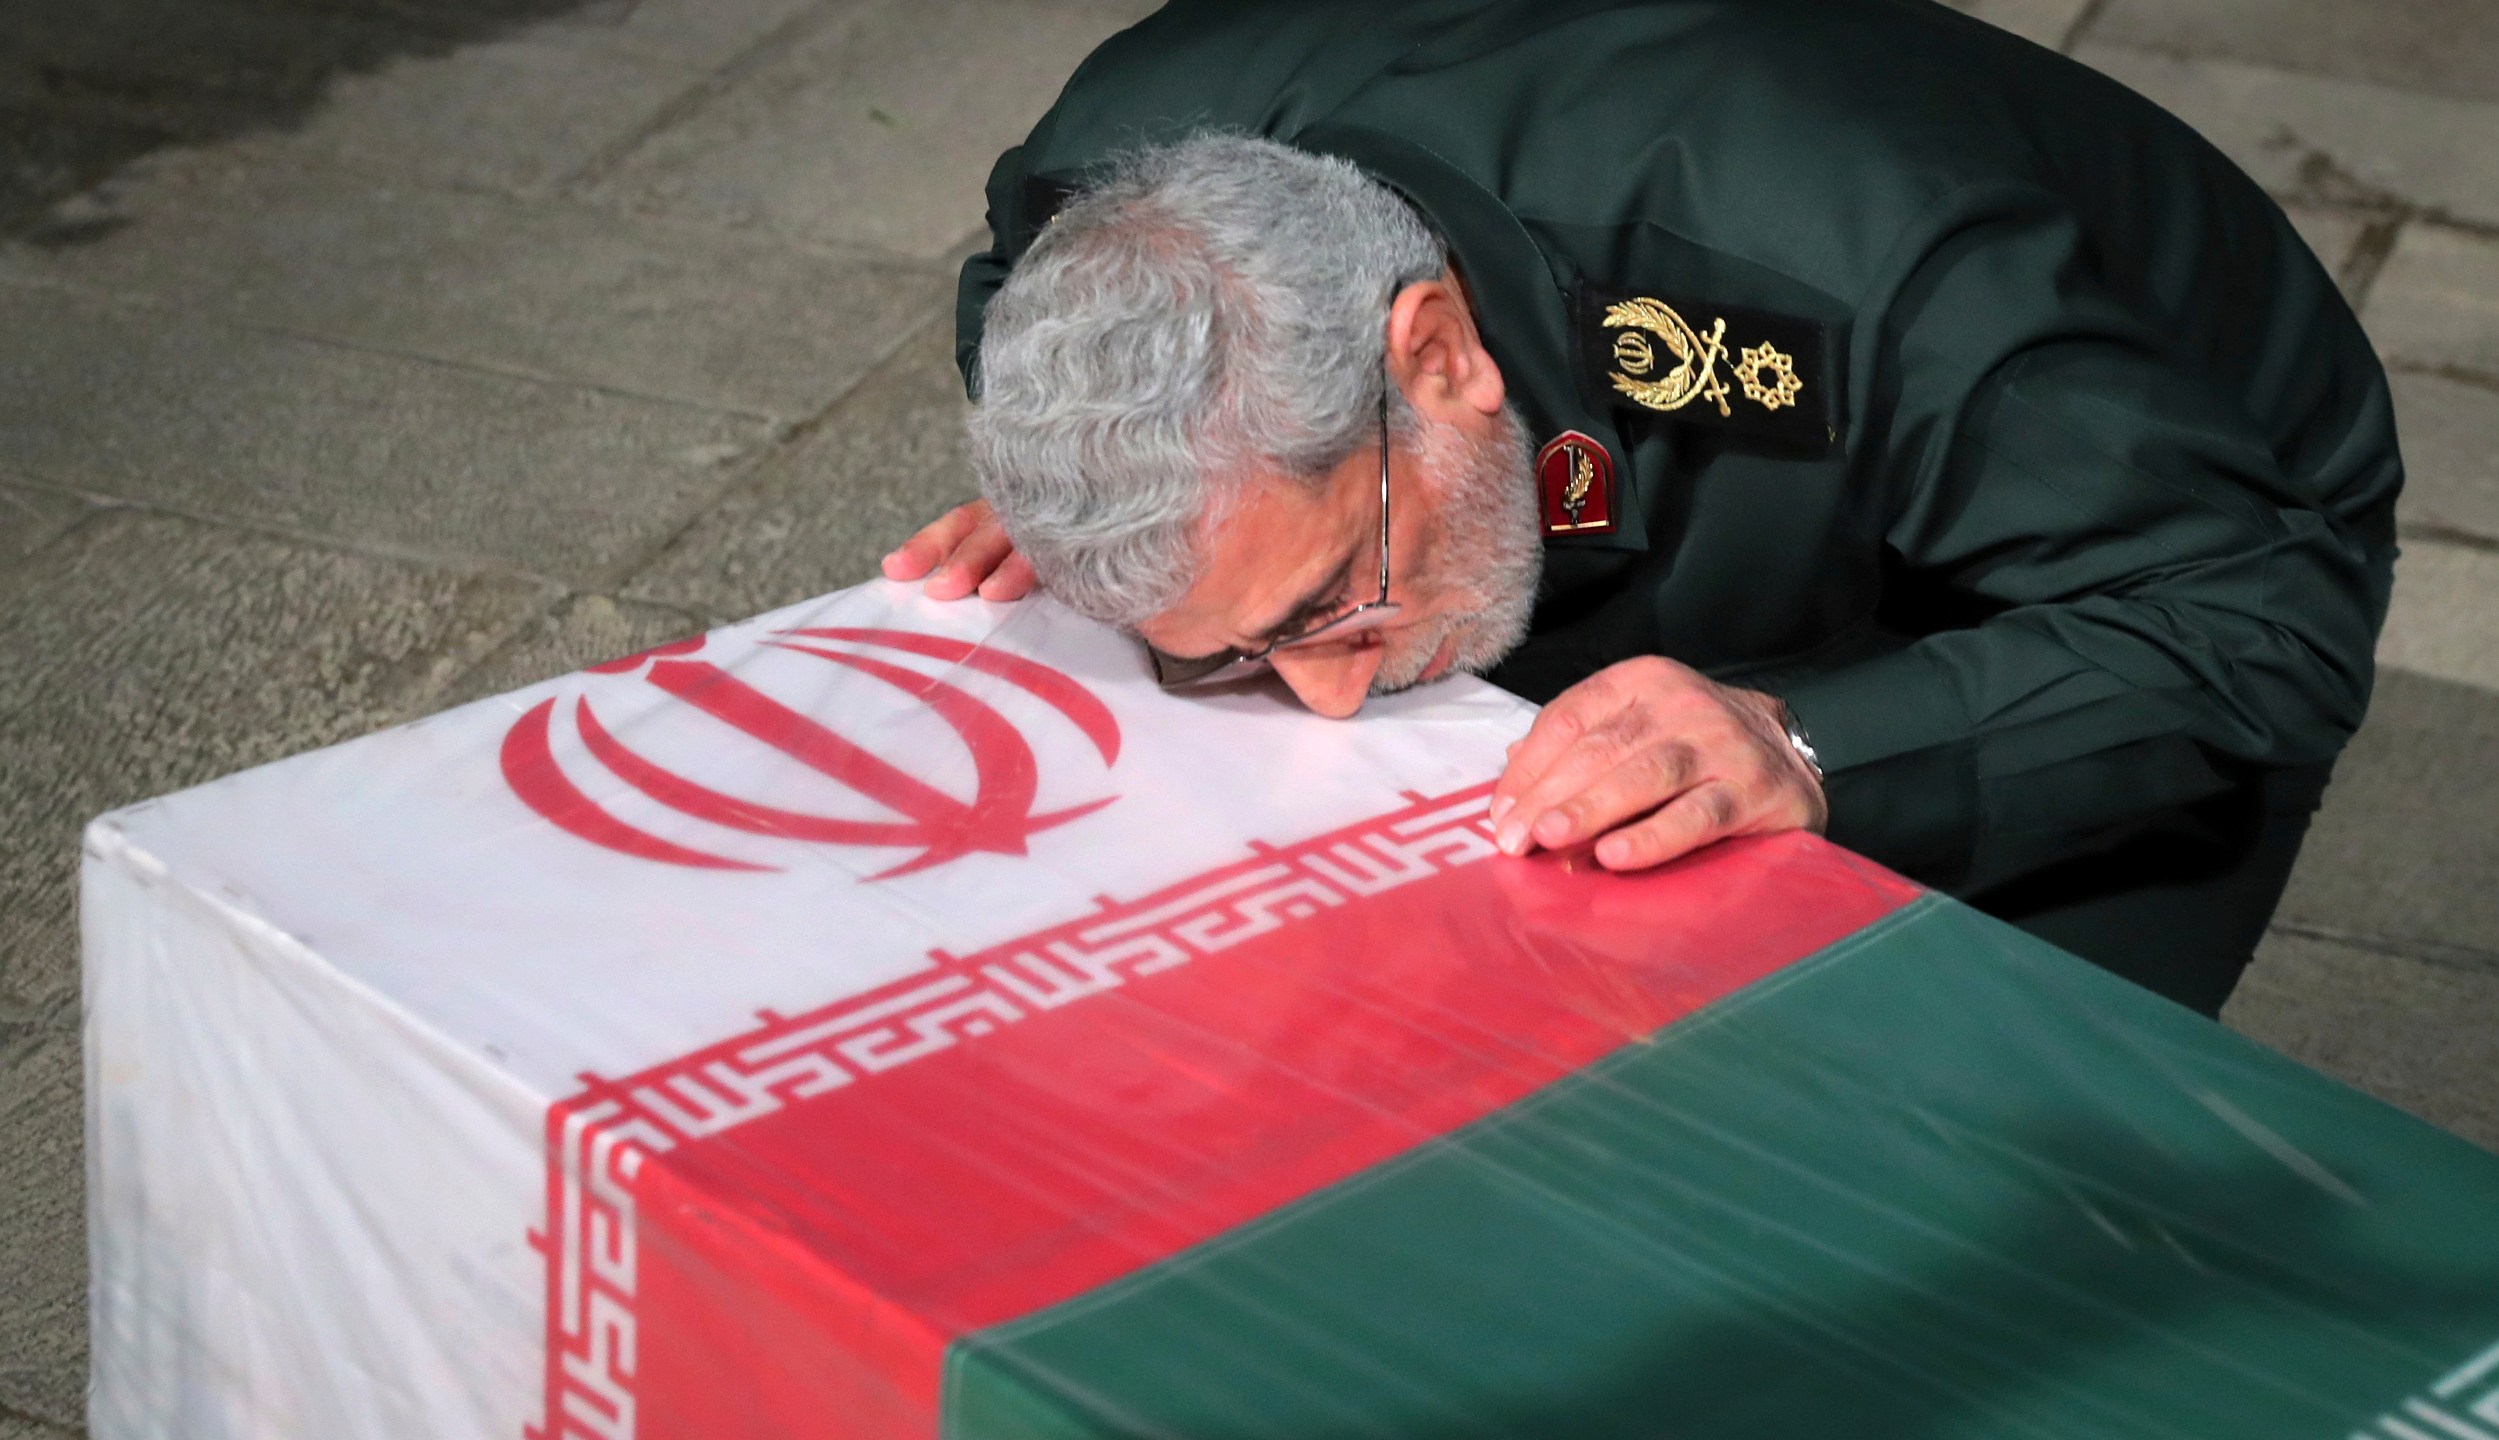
column 1512, row 838
column 1500, row 806
column 1552, row 828
column 1612, row 851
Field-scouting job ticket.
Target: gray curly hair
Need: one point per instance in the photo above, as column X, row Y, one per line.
column 1209, row 310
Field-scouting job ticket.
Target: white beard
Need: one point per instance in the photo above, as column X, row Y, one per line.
column 1486, row 555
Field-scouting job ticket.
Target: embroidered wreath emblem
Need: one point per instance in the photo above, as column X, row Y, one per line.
column 1768, row 377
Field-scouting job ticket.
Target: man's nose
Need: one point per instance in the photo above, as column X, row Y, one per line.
column 1333, row 680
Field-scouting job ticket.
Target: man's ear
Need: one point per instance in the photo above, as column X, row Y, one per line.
column 1437, row 356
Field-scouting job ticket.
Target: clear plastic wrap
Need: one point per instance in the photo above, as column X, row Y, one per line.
column 886, row 1018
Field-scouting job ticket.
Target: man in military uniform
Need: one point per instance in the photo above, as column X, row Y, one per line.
column 1924, row 436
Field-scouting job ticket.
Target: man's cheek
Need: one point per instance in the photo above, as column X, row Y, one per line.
column 1404, row 658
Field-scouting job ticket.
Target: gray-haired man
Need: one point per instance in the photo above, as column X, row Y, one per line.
column 1880, row 395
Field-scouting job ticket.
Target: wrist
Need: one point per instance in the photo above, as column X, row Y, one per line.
column 1787, row 737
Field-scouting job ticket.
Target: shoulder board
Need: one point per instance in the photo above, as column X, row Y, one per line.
column 1700, row 363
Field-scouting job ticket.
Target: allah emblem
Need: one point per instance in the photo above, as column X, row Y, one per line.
column 573, row 768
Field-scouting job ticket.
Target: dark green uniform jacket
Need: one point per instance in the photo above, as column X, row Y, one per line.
column 1949, row 390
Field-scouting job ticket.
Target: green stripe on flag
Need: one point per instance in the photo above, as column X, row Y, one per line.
column 1940, row 1180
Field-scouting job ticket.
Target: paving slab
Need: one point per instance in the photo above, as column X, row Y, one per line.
column 821, row 514
column 648, row 305
column 2413, row 1033
column 2324, row 139
column 2436, row 302
column 2444, row 622
column 2403, row 854
column 2437, row 47
column 43, row 1245
column 2450, row 434
column 147, row 653
column 876, row 130
column 427, row 458
column 583, row 630
column 2042, row 22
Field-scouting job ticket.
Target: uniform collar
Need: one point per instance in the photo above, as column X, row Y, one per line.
column 1521, row 304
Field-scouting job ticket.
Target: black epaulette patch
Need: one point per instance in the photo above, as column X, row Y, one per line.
column 1043, row 198
column 1739, row 369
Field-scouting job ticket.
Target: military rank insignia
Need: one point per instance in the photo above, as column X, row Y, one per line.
column 1575, row 486
column 1738, row 369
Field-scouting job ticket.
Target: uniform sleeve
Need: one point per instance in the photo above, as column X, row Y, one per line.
column 2168, row 611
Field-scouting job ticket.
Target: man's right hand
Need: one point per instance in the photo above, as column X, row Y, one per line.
column 963, row 550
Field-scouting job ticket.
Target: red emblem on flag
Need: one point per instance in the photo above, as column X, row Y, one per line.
column 999, row 817
column 1575, row 486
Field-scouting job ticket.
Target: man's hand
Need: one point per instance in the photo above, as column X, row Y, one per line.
column 960, row 551
column 1659, row 761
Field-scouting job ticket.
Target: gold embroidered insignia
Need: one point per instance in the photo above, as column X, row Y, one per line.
column 1784, row 386
column 1575, row 493
column 1711, row 364
column 1695, row 376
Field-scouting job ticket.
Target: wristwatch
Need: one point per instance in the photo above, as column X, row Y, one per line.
column 1804, row 748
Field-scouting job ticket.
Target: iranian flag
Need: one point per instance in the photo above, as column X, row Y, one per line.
column 890, row 1019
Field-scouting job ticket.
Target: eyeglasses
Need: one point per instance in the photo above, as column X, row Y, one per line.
column 1173, row 671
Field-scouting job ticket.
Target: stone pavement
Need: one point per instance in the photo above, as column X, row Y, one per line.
column 358, row 357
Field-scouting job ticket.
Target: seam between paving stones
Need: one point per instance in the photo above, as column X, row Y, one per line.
column 2441, row 954
column 611, row 578
column 20, row 568
column 461, row 565
column 690, row 101
column 700, row 620
column 423, row 696
column 2209, row 53
column 2081, row 27
column 316, row 166
column 2323, row 180
column 748, row 471
column 615, row 581
column 2460, row 374
column 131, row 301
column 2448, row 535
column 420, row 700
column 2370, row 251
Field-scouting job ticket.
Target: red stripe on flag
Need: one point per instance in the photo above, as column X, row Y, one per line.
column 1015, row 1128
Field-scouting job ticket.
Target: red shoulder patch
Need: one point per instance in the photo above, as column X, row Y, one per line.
column 1575, row 486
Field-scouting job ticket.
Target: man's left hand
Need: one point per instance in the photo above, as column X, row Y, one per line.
column 1653, row 760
